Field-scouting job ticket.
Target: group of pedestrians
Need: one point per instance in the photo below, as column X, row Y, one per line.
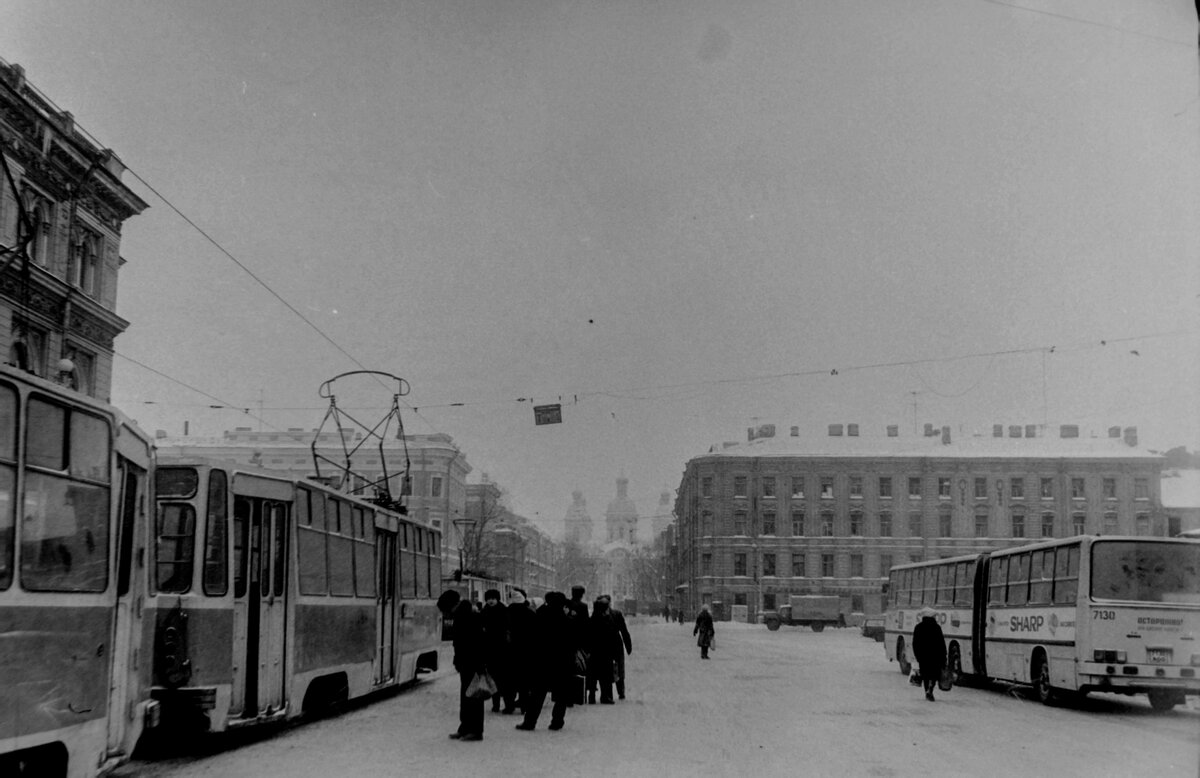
column 557, row 649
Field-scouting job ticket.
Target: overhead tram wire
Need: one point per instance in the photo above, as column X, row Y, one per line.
column 86, row 153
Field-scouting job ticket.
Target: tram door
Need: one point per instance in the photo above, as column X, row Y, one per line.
column 131, row 519
column 260, row 595
column 385, row 579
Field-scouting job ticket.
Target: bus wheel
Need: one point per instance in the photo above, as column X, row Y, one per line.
column 905, row 667
column 955, row 663
column 817, row 626
column 773, row 624
column 1041, row 679
column 1163, row 699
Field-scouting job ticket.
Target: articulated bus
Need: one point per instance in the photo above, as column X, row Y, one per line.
column 71, row 579
column 1068, row 617
column 273, row 596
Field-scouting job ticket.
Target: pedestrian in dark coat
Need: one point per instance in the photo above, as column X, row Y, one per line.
column 522, row 634
column 580, row 631
column 704, row 630
column 625, row 647
column 929, row 647
column 604, row 641
column 498, row 654
column 467, row 632
column 554, row 662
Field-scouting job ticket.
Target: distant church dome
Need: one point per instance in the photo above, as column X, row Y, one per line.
column 577, row 523
column 622, row 516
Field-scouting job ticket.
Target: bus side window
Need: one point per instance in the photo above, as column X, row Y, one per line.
column 946, row 585
column 1041, row 577
column 997, row 580
column 1066, row 576
column 1018, row 579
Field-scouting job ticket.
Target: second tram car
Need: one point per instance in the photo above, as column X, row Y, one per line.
column 273, row 596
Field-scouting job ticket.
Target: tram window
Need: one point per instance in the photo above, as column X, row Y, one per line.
column 8, row 481
column 64, row 535
column 216, row 554
column 89, row 448
column 241, row 531
column 8, row 424
column 1041, row 577
column 364, row 568
column 1018, row 579
column 333, row 509
column 316, row 502
column 341, row 566
column 279, row 548
column 46, row 436
column 173, row 551
column 360, row 523
column 311, row 559
column 1066, row 575
column 997, row 580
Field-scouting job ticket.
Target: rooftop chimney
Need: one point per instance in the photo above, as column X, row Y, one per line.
column 160, row 434
column 1014, row 430
column 852, row 430
column 795, row 432
column 1131, row 436
column 1114, row 432
column 893, row 431
column 1031, row 430
column 997, row 430
column 835, row 430
column 929, row 431
column 749, row 434
column 1068, row 431
column 765, row 431
column 945, row 436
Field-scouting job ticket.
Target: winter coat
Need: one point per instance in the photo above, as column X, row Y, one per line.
column 619, row 620
column 604, row 638
column 494, row 620
column 554, row 648
column 929, row 647
column 704, row 628
column 522, row 635
column 467, row 633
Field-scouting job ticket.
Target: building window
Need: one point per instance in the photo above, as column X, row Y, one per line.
column 797, row 565
column 768, row 524
column 826, row 488
column 943, row 488
column 827, row 524
column 82, row 376
column 739, row 523
column 856, row 521
column 1018, row 525
column 1077, row 490
column 914, row 525
column 769, row 564
column 739, row 564
column 768, row 601
column 981, row 525
column 885, row 525
column 1141, row 524
column 917, row 557
column 706, row 564
column 739, row 486
column 768, row 486
column 885, row 565
column 739, row 599
column 1016, row 488
column 945, row 525
column 1110, row 523
column 885, row 487
column 980, row 488
column 856, row 565
column 1078, row 523
column 914, row 487
column 1047, row 488
column 827, row 565
column 706, row 523
column 798, row 486
column 1109, row 486
column 798, row 524
column 1141, row 489
column 1047, row 525
column 435, row 486
column 856, row 487
column 706, row 486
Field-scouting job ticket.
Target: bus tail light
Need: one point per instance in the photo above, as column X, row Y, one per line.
column 1111, row 657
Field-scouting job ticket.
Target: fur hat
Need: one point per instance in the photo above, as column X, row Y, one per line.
column 491, row 594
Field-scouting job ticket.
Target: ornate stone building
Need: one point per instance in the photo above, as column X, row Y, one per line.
column 759, row 520
column 577, row 525
column 60, row 236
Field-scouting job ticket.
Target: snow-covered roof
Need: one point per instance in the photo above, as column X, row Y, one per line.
column 1181, row 488
column 974, row 447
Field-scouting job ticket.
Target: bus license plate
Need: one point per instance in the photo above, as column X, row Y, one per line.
column 1158, row 655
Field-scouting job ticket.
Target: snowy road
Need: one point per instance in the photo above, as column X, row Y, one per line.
column 791, row 702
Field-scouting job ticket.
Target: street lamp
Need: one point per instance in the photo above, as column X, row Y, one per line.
column 463, row 525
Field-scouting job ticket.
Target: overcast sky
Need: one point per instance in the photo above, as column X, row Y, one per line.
column 679, row 216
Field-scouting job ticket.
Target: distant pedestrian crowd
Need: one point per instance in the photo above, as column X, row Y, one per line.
column 530, row 651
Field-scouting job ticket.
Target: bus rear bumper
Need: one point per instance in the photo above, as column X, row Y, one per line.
column 1138, row 679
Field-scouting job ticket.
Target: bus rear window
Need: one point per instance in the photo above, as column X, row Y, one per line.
column 1146, row 572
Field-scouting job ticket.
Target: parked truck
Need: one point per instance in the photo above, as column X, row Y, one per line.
column 807, row 610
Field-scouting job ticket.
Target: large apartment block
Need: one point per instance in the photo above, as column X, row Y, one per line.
column 774, row 516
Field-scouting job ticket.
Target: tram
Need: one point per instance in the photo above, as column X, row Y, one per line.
column 273, row 596
column 71, row 579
